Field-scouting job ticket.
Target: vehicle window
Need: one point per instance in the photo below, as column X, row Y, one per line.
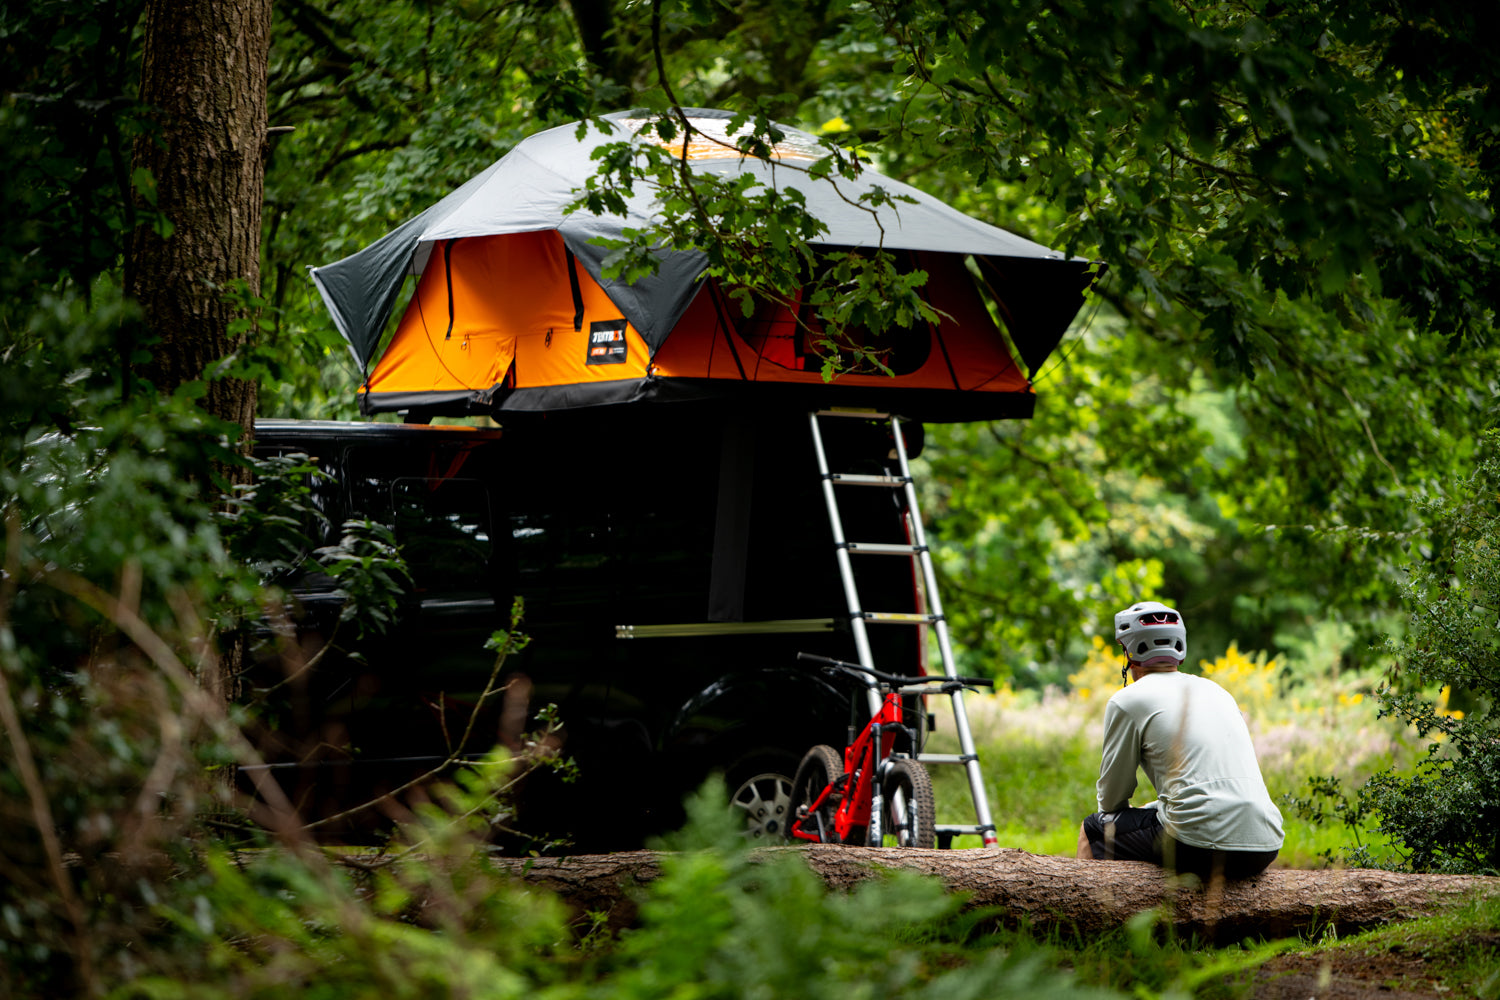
column 445, row 529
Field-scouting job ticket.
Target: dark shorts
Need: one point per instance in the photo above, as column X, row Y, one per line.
column 1136, row 835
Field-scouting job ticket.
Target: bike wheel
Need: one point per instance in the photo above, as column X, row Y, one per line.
column 910, row 813
column 819, row 767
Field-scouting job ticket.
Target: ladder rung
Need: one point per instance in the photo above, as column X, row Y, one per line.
column 898, row 617
column 946, row 758
column 854, row 412
column 883, row 549
column 865, row 479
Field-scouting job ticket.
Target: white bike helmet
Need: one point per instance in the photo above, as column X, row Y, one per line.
column 1150, row 629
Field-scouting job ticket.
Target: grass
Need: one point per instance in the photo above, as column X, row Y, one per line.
column 1456, row 952
column 1458, row 949
column 1039, row 753
column 1141, row 959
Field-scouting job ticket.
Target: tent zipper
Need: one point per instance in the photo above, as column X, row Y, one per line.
column 448, row 273
column 577, row 292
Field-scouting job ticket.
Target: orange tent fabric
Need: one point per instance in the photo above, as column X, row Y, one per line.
column 505, row 317
column 511, row 307
column 964, row 352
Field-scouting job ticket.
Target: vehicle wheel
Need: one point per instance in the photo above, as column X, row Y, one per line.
column 819, row 766
column 766, row 801
column 910, row 817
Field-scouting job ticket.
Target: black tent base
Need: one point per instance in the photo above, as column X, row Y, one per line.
column 927, row 405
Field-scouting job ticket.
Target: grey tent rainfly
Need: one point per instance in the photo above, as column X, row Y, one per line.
column 512, row 310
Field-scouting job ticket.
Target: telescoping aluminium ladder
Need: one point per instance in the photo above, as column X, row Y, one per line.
column 859, row 617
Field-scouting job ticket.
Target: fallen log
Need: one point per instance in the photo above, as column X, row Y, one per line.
column 1086, row 896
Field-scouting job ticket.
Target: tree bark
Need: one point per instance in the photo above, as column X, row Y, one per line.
column 204, row 75
column 1066, row 893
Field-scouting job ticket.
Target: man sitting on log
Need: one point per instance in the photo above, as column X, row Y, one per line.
column 1213, row 815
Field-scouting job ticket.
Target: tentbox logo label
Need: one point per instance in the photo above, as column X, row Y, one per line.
column 607, row 342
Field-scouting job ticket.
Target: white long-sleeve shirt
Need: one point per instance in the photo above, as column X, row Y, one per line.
column 1189, row 737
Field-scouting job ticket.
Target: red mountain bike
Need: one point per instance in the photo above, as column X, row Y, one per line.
column 874, row 793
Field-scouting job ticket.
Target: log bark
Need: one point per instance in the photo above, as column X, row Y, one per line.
column 1086, row 896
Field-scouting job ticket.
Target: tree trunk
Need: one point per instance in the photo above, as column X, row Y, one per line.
column 1089, row 896
column 204, row 75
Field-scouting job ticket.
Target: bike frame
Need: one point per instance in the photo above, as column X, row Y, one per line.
column 861, row 804
column 867, row 758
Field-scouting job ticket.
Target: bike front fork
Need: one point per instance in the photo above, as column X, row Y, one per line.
column 875, row 836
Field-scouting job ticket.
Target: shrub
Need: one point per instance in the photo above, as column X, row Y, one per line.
column 1443, row 815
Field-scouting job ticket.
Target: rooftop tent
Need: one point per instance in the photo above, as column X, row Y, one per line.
column 511, row 311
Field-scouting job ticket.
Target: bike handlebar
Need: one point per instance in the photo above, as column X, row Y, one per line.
column 896, row 680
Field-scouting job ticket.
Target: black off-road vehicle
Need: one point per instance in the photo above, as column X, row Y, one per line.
column 672, row 562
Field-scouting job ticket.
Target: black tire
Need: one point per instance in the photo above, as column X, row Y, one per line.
column 820, row 765
column 917, row 827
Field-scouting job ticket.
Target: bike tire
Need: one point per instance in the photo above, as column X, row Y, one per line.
column 819, row 766
column 918, row 827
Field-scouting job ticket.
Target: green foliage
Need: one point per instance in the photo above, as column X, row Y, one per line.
column 1045, row 529
column 503, row 642
column 1166, row 132
column 1293, row 192
column 1444, row 815
column 100, row 481
column 67, row 115
column 272, row 523
column 115, row 586
column 1255, row 180
column 1263, row 510
column 1302, row 193
column 1296, row 192
column 434, row 918
column 1148, row 959
column 738, row 926
column 755, row 235
column 372, row 577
